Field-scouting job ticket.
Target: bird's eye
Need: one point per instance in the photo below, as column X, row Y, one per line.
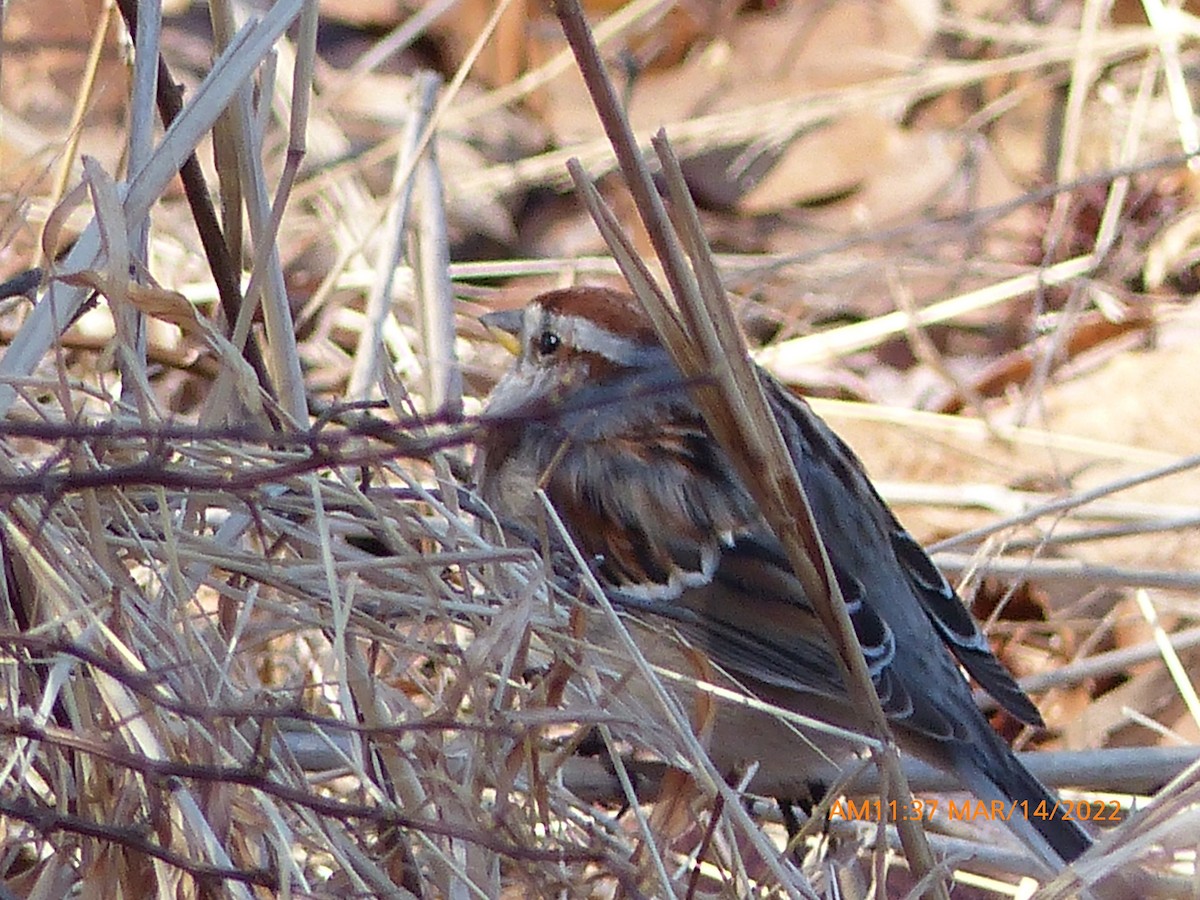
column 547, row 343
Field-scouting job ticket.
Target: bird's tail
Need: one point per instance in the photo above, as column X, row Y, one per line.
column 1032, row 810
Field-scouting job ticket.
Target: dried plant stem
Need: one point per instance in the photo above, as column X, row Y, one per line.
column 218, row 246
column 972, row 431
column 130, row 322
column 1176, row 668
column 1110, row 662
column 738, row 414
column 435, row 294
column 851, row 338
column 367, row 354
column 58, row 307
column 713, row 780
column 69, row 155
column 265, row 215
column 1057, row 507
column 187, row 822
column 1166, row 24
column 1072, row 570
column 395, row 41
column 788, row 117
column 1115, row 771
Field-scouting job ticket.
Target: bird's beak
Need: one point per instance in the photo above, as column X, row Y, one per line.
column 505, row 325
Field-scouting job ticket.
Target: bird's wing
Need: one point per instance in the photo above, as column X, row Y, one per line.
column 957, row 627
column 674, row 535
column 674, row 532
column 754, row 621
column 840, row 491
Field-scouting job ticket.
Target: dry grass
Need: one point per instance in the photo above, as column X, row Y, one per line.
column 209, row 690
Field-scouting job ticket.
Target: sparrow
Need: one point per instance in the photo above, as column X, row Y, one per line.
column 595, row 413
